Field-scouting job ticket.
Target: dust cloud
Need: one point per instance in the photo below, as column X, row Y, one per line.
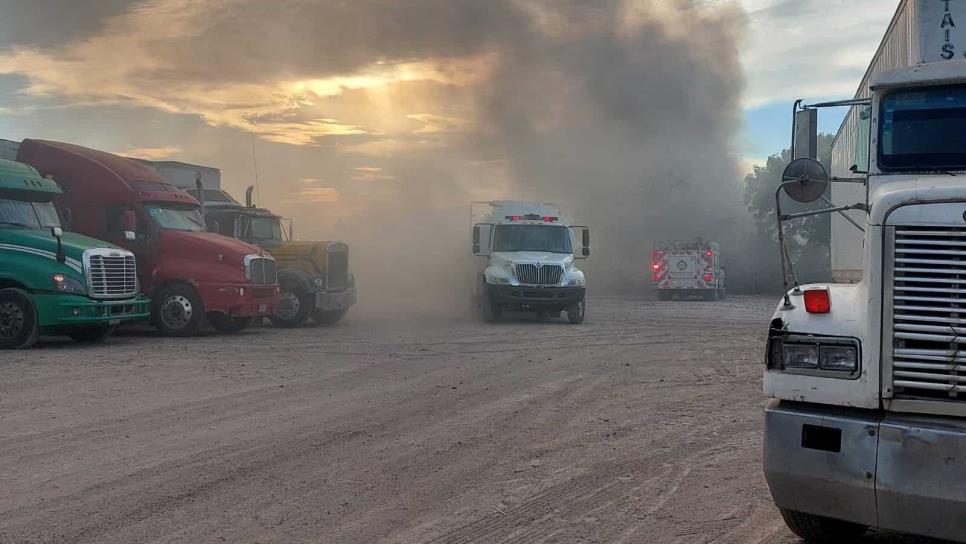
column 623, row 112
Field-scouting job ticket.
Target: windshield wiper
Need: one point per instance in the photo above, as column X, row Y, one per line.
column 16, row 224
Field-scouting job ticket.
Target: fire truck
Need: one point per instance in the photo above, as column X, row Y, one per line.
column 685, row 268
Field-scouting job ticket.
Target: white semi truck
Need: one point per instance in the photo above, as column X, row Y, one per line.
column 529, row 265
column 866, row 425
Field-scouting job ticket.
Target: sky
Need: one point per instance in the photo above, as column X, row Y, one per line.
column 330, row 106
column 811, row 49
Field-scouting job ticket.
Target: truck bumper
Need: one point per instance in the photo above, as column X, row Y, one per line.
column 534, row 298
column 72, row 310
column 335, row 301
column 892, row 471
column 239, row 300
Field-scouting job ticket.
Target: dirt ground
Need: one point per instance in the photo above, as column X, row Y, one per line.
column 642, row 425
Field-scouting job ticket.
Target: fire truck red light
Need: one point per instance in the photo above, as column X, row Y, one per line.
column 708, row 277
column 656, row 266
column 514, row 218
column 548, row 218
column 710, row 253
column 818, row 301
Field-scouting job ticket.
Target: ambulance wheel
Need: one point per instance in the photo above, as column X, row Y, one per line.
column 820, row 529
column 576, row 311
column 222, row 323
column 18, row 319
column 177, row 310
column 91, row 334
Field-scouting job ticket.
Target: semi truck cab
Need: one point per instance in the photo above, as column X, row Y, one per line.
column 530, row 261
column 866, row 426
column 315, row 285
column 190, row 273
column 53, row 281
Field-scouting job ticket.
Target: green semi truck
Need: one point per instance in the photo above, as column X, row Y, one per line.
column 54, row 282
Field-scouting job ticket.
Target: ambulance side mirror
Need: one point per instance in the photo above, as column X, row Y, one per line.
column 481, row 239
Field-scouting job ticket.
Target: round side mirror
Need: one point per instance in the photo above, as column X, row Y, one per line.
column 804, row 180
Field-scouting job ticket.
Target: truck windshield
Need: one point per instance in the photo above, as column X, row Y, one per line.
column 552, row 239
column 265, row 228
column 24, row 214
column 176, row 217
column 924, row 129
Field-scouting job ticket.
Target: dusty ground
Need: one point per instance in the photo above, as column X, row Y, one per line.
column 643, row 425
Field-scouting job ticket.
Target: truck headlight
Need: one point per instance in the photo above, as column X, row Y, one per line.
column 66, row 284
column 843, row 358
column 828, row 356
column 800, row 356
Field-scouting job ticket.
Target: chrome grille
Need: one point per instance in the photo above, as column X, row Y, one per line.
column 110, row 273
column 531, row 274
column 261, row 270
column 929, row 313
column 338, row 269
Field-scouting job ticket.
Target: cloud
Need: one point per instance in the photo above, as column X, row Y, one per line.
column 810, row 48
column 182, row 57
column 313, row 195
column 152, row 153
column 371, row 173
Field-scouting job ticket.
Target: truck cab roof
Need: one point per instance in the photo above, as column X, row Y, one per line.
column 17, row 176
column 931, row 73
column 111, row 177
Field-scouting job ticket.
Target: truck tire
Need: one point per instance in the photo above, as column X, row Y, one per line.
column 222, row 323
column 294, row 306
column 490, row 311
column 177, row 310
column 330, row 317
column 18, row 319
column 576, row 311
column 91, row 333
column 820, row 529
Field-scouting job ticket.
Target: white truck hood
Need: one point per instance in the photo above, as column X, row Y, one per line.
column 534, row 257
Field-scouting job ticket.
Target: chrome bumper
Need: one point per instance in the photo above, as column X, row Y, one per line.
column 897, row 472
column 340, row 300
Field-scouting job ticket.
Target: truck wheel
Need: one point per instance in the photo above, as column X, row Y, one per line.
column 575, row 312
column 490, row 311
column 223, row 323
column 820, row 529
column 328, row 318
column 92, row 333
column 176, row 310
column 18, row 319
column 294, row 307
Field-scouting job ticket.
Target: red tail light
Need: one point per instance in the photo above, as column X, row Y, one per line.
column 708, row 278
column 818, row 300
column 655, row 267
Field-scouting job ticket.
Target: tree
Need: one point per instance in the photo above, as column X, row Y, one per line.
column 808, row 238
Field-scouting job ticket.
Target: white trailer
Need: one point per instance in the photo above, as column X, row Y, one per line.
column 866, row 422
column 921, row 31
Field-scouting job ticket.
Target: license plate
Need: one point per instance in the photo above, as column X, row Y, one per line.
column 262, row 308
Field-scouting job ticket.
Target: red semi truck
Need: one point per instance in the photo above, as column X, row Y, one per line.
column 189, row 273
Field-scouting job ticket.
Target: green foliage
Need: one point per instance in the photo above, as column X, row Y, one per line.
column 808, row 238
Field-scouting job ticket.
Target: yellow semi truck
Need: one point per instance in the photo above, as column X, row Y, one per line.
column 314, row 279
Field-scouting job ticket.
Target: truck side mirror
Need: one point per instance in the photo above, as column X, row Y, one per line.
column 806, row 134
column 129, row 220
column 58, row 234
